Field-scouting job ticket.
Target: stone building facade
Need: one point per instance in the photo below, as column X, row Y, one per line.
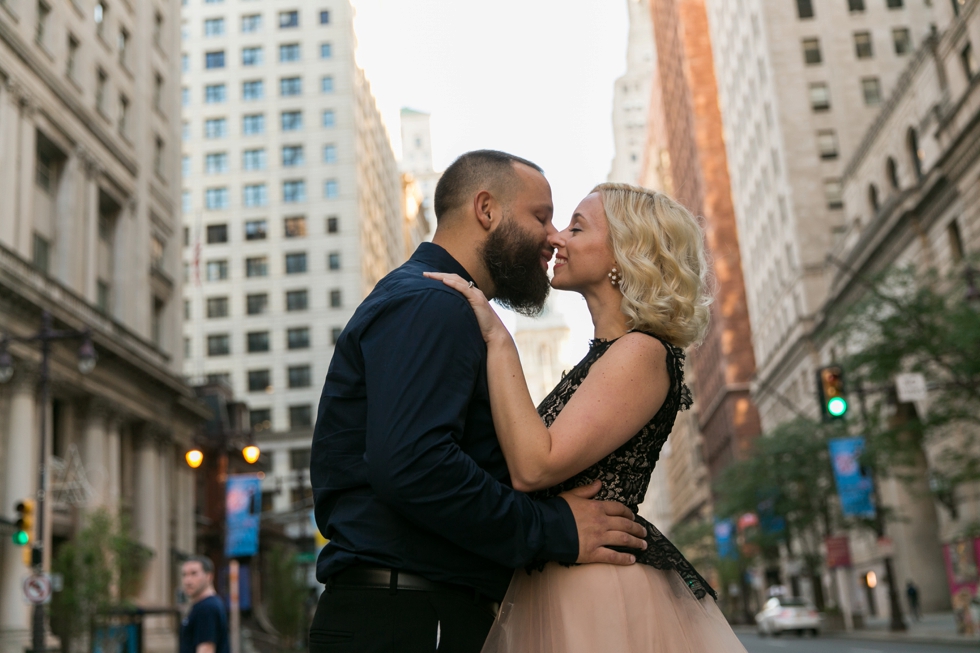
column 89, row 233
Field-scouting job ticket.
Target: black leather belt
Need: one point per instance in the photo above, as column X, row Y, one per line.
column 394, row 580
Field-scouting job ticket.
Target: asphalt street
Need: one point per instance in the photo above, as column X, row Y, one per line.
column 793, row 644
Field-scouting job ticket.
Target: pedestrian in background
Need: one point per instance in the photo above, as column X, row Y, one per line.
column 205, row 628
column 912, row 591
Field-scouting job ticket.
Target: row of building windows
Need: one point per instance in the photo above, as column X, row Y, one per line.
column 804, row 8
column 258, row 266
column 252, row 23
column 820, row 94
column 299, row 417
column 257, row 195
column 252, row 56
column 258, row 303
column 863, row 46
column 293, row 227
column 253, row 124
column 252, row 90
column 258, row 342
column 217, row 163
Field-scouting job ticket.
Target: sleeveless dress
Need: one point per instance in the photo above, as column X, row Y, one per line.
column 657, row 605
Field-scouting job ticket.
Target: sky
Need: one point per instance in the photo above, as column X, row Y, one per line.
column 531, row 77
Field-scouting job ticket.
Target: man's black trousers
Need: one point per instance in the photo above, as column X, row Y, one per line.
column 376, row 620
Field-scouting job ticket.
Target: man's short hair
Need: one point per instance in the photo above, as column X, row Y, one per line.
column 206, row 565
column 480, row 168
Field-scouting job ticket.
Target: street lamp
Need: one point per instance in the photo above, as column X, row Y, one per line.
column 250, row 454
column 194, row 458
column 86, row 363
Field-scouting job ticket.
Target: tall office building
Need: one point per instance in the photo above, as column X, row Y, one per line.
column 90, row 234
column 799, row 84
column 293, row 210
column 631, row 96
column 417, row 159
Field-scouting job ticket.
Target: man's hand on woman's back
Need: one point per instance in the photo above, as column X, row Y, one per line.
column 602, row 524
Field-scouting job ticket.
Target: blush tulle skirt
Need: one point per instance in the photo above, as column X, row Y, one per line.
column 602, row 608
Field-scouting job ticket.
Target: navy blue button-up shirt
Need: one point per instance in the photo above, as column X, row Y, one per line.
column 406, row 469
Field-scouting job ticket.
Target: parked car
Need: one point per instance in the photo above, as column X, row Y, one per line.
column 783, row 613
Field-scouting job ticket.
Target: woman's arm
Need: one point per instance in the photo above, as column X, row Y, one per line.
column 623, row 391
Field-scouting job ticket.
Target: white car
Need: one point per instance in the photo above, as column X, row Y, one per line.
column 783, row 613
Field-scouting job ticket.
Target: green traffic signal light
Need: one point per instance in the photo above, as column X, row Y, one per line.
column 21, row 538
column 837, row 407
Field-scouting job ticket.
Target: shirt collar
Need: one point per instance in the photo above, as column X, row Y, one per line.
column 434, row 256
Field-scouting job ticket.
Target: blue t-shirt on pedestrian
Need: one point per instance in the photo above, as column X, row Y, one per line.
column 206, row 622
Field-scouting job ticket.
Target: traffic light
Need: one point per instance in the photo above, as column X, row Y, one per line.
column 24, row 527
column 830, row 382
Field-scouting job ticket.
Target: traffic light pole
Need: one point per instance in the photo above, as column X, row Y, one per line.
column 897, row 622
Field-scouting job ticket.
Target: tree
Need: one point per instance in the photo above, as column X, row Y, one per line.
column 285, row 595
column 103, row 568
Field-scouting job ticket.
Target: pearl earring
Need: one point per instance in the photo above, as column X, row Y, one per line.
column 614, row 277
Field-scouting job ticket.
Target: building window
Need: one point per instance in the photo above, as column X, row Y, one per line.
column 299, row 459
column 873, row 198
column 324, row 17
column 329, row 118
column 333, row 224
column 258, row 341
column 819, row 97
column 215, row 128
column 253, row 159
column 216, row 163
column 214, row 26
column 955, row 238
column 326, row 84
column 871, row 88
column 292, row 155
column 333, row 260
column 811, row 52
column 219, row 344
column 891, row 171
column 969, row 61
column 216, row 270
column 216, row 199
column 291, row 121
column 902, row 39
column 257, row 266
column 43, row 11
column 101, row 14
column 958, row 6
column 252, row 56
column 255, row 195
column 103, row 296
column 157, row 28
column 185, row 96
column 217, row 233
column 214, row 59
column 326, row 51
column 915, row 153
column 330, row 154
column 300, row 416
column 294, row 191
column 331, row 189
column 296, row 300
column 257, row 304
column 336, row 298
column 253, row 90
column 255, row 230
column 100, row 83
column 296, row 263
column 72, row 57
column 123, row 114
column 158, row 92
column 217, row 307
column 42, row 256
column 251, row 23
column 335, row 333
column 298, row 338
column 833, row 193
column 290, row 86
column 185, row 172
column 804, row 8
column 300, row 376
column 260, row 419
column 219, row 377
column 289, row 52
column 895, row 4
column 288, row 19
column 862, row 45
column 855, row 5
column 827, row 143
column 185, row 63
column 122, row 46
column 215, row 93
column 259, row 381
column 295, row 227
column 253, row 124
column 159, row 157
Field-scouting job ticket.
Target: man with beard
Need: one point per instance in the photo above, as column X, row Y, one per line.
column 409, row 482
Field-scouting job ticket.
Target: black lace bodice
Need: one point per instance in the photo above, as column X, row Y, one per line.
column 625, row 473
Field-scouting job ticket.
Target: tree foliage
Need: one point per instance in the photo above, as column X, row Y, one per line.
column 285, row 594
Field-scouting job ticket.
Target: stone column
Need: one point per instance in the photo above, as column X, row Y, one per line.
column 19, row 482
column 146, row 518
column 89, row 231
column 8, row 171
column 94, row 452
column 24, row 209
column 113, row 464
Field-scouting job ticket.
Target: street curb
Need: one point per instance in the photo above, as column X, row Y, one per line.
column 954, row 640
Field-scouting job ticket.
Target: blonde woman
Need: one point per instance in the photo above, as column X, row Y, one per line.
column 638, row 259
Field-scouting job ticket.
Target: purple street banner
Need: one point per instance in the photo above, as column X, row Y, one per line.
column 243, row 507
column 854, row 485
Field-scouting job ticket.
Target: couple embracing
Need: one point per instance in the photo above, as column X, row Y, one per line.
column 461, row 518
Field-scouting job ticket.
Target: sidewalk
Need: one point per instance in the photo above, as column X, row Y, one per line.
column 935, row 628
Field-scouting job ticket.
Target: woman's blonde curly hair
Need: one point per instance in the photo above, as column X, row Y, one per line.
column 659, row 251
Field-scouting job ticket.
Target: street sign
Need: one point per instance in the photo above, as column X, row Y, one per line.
column 37, row 589
column 911, row 387
column 838, row 551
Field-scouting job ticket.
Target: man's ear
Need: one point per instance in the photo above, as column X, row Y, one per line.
column 486, row 209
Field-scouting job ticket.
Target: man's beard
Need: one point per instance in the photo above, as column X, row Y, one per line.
column 513, row 259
